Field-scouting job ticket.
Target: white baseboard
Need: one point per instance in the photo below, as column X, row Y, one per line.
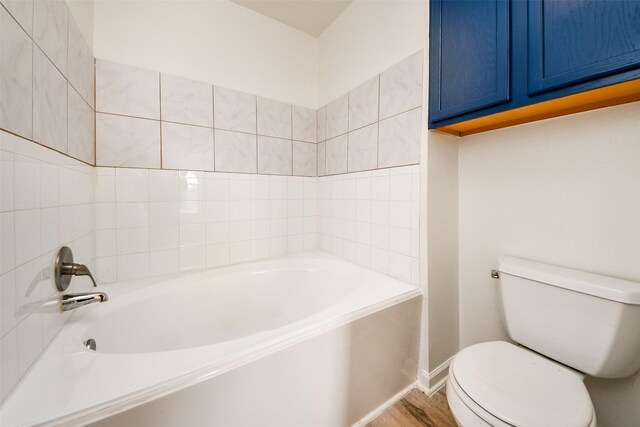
column 435, row 379
column 386, row 405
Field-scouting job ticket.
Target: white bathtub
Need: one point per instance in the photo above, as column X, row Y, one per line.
column 299, row 340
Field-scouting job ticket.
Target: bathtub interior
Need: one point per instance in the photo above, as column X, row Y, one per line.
column 210, row 311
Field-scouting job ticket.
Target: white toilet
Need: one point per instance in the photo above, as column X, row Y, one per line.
column 567, row 323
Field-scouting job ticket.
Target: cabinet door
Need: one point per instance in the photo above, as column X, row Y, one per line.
column 571, row 41
column 469, row 56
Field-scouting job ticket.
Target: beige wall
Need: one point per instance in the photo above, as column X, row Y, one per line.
column 564, row 191
column 210, row 41
column 367, row 38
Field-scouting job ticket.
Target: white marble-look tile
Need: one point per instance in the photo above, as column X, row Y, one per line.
column 274, row 118
column 337, row 117
column 401, row 86
column 81, row 63
column 127, row 142
column 363, row 148
column 399, row 139
column 305, row 124
column 322, row 124
column 16, row 84
column 49, row 103
column 336, row 161
column 50, row 24
column 274, row 156
column 234, row 110
column 235, row 152
column 186, row 101
column 322, row 149
column 22, row 11
column 363, row 104
column 187, row 147
column 81, row 143
column 127, row 90
column 305, row 161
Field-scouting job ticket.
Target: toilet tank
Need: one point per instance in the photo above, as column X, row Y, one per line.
column 587, row 321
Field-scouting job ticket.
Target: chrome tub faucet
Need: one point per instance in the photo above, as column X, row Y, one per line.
column 63, row 270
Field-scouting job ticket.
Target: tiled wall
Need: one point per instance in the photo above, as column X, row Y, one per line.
column 46, row 77
column 146, row 119
column 376, row 125
column 46, row 201
column 372, row 218
column 155, row 222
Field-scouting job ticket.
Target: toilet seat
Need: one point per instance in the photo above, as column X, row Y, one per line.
column 503, row 384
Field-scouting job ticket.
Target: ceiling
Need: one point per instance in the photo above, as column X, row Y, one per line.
column 309, row 16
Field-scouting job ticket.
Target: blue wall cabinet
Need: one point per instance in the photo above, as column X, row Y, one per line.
column 493, row 56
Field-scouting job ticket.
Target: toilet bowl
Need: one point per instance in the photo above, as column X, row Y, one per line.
column 500, row 384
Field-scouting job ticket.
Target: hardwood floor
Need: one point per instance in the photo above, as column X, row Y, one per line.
column 417, row 409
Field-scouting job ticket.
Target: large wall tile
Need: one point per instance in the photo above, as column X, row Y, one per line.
column 363, row 104
column 305, row 161
column 274, row 156
column 363, row 148
column 126, row 141
column 336, row 161
column 305, row 124
column 81, row 128
column 187, row 147
column 234, row 110
column 16, row 84
column 186, row 101
column 81, row 63
column 235, row 152
column 274, row 118
column 322, row 149
column 337, row 120
column 49, row 103
column 50, row 23
column 399, row 139
column 127, row 90
column 322, row 124
column 401, row 87
column 22, row 11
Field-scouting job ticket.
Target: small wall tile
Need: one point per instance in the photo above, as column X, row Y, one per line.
column 49, row 103
column 305, row 124
column 336, row 155
column 50, row 23
column 401, row 87
column 274, row 156
column 123, row 89
column 399, row 139
column 235, row 152
column 363, row 104
column 126, row 141
column 305, row 161
column 16, row 84
column 81, row 128
column 234, row 111
column 81, row 63
column 186, row 101
column 363, row 148
column 274, row 118
column 337, row 117
column 187, row 147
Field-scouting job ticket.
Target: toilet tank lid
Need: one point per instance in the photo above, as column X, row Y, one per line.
column 611, row 288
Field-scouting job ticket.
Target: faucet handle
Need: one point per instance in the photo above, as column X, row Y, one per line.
column 64, row 268
column 78, row 270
